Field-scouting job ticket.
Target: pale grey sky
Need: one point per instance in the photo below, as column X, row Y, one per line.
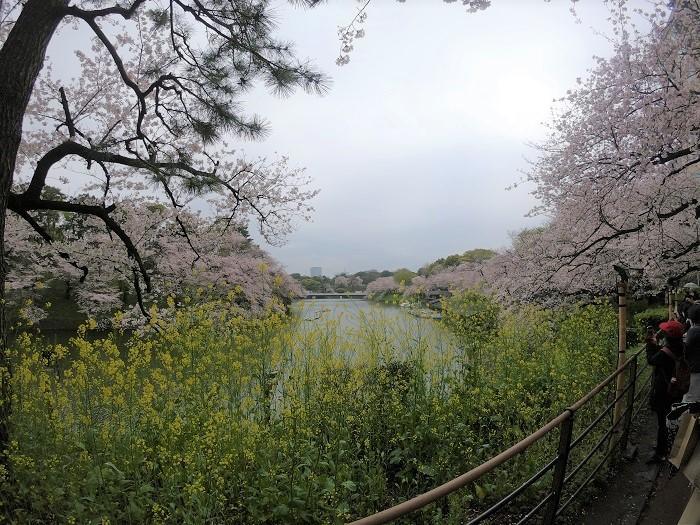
column 423, row 130
column 420, row 134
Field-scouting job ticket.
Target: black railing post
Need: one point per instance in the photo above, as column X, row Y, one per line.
column 565, row 432
column 632, row 374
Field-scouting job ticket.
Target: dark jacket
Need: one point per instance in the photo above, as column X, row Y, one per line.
column 683, row 308
column 692, row 349
column 664, row 369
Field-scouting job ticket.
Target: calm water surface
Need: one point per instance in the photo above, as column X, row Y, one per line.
column 354, row 314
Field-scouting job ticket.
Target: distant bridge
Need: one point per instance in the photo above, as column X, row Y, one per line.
column 334, row 295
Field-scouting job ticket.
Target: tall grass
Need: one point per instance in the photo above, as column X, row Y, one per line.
column 220, row 417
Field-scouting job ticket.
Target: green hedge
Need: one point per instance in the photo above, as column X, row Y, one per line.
column 649, row 317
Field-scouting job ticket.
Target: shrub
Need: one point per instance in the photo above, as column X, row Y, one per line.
column 649, row 317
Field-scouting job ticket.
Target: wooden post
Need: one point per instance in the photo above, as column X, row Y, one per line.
column 621, row 342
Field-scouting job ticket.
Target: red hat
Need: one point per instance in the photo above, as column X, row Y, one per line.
column 672, row 328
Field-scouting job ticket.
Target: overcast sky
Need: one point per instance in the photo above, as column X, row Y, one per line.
column 421, row 133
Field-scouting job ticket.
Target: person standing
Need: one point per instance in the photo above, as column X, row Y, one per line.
column 692, row 354
column 691, row 514
column 663, row 350
column 690, row 299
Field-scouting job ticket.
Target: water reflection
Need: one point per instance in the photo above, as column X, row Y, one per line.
column 351, row 313
column 385, row 329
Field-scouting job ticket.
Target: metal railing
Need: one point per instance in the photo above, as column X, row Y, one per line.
column 563, row 491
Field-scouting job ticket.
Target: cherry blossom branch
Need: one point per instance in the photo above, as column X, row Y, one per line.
column 676, row 211
column 183, row 228
column 122, row 72
column 70, row 147
column 48, row 239
column 688, row 249
column 69, row 120
column 19, row 203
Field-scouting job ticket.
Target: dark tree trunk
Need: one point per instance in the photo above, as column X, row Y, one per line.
column 21, row 60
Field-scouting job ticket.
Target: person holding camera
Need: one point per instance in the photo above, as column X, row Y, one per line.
column 664, row 351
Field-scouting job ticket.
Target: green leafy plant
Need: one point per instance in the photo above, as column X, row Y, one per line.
column 222, row 417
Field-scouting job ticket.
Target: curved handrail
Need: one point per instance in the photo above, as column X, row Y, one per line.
column 451, row 486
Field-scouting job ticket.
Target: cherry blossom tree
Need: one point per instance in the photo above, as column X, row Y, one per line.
column 618, row 177
column 341, row 281
column 381, row 285
column 214, row 260
column 157, row 91
column 464, row 276
column 356, row 283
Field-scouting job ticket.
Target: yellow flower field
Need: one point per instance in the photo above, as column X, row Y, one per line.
column 215, row 416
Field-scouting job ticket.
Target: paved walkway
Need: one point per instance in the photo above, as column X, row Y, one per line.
column 667, row 499
column 640, row 494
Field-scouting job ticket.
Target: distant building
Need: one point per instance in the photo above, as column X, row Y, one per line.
column 316, row 271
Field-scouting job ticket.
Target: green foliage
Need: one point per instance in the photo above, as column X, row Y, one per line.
column 220, row 417
column 472, row 317
column 404, row 276
column 368, row 276
column 477, row 255
column 391, row 298
column 314, row 284
column 649, row 317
